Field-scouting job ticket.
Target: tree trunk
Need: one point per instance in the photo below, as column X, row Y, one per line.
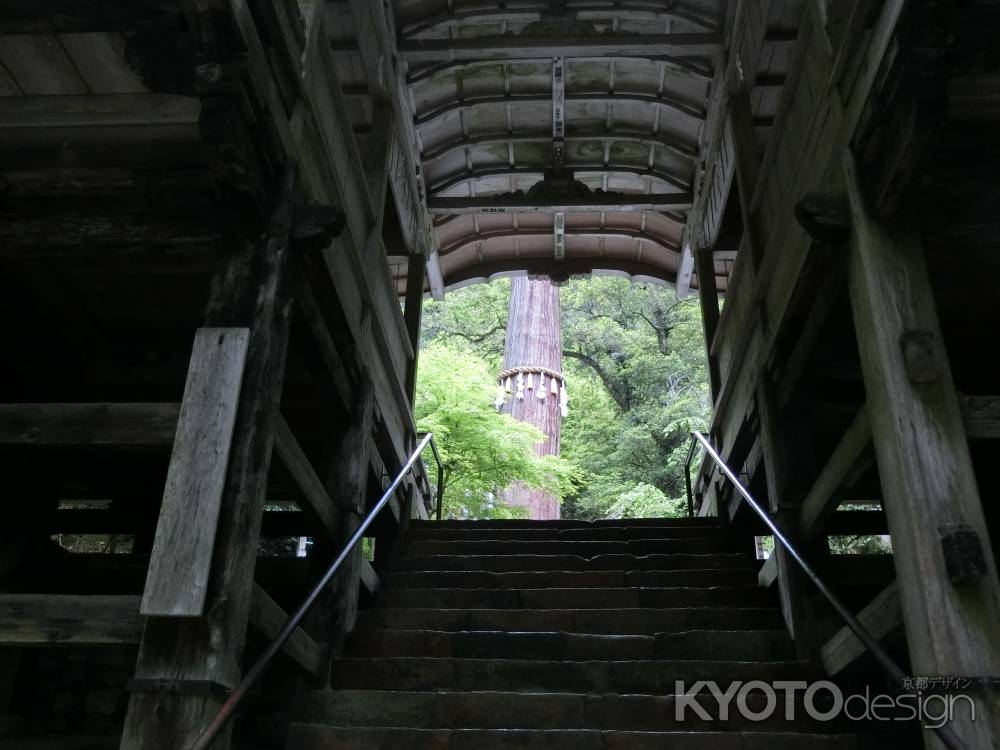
column 534, row 340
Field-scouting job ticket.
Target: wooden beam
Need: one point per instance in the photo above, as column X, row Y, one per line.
column 414, row 51
column 102, row 110
column 369, row 578
column 309, row 308
column 882, row 617
column 768, row 572
column 49, row 620
column 506, row 204
column 746, row 163
column 823, row 498
column 75, row 17
column 925, row 469
column 269, row 618
column 93, row 235
column 252, row 290
column 181, row 560
column 92, row 425
column 298, row 465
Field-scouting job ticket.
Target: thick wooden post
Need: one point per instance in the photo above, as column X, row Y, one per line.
column 413, row 313
column 708, row 297
column 186, row 665
column 777, row 443
column 347, row 483
column 928, row 484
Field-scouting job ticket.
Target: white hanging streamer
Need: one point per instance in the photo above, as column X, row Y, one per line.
column 540, row 393
column 564, row 401
column 520, row 386
column 498, row 402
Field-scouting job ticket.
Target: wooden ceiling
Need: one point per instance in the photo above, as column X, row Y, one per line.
column 484, row 90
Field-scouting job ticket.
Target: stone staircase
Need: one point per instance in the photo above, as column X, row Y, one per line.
column 560, row 635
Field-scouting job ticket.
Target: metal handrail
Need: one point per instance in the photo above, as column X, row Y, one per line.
column 439, row 499
column 944, row 733
column 212, row 731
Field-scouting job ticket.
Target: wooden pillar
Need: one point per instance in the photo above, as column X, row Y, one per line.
column 185, row 665
column 926, row 473
column 347, row 483
column 784, row 507
column 412, row 314
column 708, row 297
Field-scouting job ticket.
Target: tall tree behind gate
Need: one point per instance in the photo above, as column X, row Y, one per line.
column 532, row 377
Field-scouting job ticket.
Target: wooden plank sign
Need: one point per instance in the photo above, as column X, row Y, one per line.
column 177, row 581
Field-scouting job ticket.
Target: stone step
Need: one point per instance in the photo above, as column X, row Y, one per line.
column 741, row 645
column 513, row 548
column 549, row 533
column 524, row 523
column 608, row 621
column 320, row 737
column 578, row 598
column 484, row 709
column 571, row 562
column 590, row 579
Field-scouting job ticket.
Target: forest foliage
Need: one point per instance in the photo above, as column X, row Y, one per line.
column 634, row 360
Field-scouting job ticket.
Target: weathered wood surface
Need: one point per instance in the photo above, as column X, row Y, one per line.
column 177, row 581
column 882, row 617
column 925, row 468
column 332, row 172
column 48, row 619
column 802, row 156
column 822, row 500
column 251, row 289
column 269, row 618
column 138, row 425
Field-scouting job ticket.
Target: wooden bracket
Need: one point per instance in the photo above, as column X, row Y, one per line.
column 963, row 553
column 825, row 217
column 315, row 227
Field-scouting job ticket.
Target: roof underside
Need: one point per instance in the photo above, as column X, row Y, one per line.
column 483, row 88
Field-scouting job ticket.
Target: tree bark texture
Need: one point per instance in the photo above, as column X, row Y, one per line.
column 534, row 339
